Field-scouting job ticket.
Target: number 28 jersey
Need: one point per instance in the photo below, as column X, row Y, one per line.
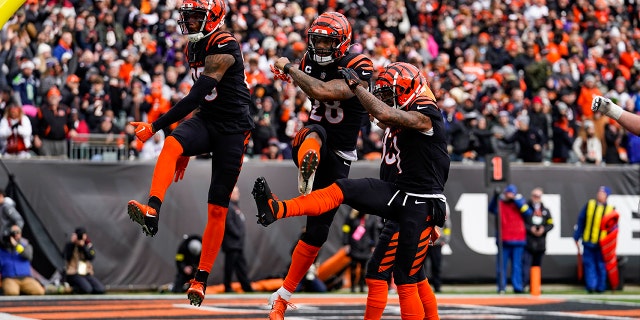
column 227, row 106
column 341, row 119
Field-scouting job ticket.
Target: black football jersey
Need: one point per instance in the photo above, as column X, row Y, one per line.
column 228, row 103
column 341, row 119
column 418, row 162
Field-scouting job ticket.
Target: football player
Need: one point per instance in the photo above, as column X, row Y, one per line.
column 221, row 126
column 413, row 172
column 322, row 150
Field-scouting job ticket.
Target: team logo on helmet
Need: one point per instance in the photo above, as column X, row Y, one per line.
column 399, row 85
column 200, row 18
column 328, row 38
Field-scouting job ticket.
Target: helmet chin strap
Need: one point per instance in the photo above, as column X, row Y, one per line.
column 195, row 37
column 320, row 59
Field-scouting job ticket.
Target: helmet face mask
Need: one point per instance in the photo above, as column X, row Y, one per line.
column 386, row 95
column 318, row 43
column 200, row 18
column 328, row 38
column 399, row 85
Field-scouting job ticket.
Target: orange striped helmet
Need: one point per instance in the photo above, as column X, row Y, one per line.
column 399, row 85
column 200, row 18
column 330, row 27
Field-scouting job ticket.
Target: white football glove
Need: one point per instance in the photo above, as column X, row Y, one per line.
column 606, row 106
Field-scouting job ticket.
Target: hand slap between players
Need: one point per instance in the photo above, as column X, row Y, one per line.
column 144, row 131
column 350, row 77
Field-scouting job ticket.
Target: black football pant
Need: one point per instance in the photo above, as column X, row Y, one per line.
column 414, row 214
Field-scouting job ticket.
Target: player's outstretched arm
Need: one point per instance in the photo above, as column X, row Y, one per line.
column 332, row 90
column 214, row 68
column 627, row 120
column 380, row 110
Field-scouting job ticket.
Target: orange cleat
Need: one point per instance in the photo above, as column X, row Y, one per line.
column 196, row 291
column 145, row 216
column 278, row 307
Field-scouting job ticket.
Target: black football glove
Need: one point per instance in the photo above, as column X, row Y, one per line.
column 350, row 77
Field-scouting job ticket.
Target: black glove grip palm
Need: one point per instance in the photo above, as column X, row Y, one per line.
column 350, row 77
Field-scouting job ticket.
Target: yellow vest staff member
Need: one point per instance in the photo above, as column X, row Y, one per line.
column 589, row 231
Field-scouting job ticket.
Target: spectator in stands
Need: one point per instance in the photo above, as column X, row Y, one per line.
column 504, row 130
column 588, row 90
column 529, row 140
column 78, row 255
column 483, row 137
column 26, row 84
column 272, row 151
column 96, row 102
column 555, row 55
column 155, row 104
column 563, row 135
column 53, row 124
column 187, row 259
column 6, row 96
column 15, row 265
column 15, row 132
column 587, row 146
column 71, row 92
column 615, row 139
column 151, row 149
column 540, row 118
column 264, row 119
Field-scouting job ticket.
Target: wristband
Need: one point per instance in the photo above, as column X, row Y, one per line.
column 287, row 67
column 615, row 111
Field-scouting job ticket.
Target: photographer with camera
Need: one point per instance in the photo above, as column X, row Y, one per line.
column 78, row 254
column 15, row 265
column 8, row 214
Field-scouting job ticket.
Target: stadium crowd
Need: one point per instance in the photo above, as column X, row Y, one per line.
column 515, row 77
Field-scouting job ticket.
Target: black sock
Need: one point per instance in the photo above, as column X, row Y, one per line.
column 154, row 202
column 202, row 276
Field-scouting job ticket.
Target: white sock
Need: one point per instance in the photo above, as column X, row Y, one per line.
column 284, row 293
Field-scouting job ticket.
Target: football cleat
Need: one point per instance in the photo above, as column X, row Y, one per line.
column 307, row 171
column 278, row 307
column 266, row 202
column 196, row 291
column 145, row 216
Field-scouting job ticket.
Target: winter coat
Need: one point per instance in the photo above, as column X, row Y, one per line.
column 540, row 217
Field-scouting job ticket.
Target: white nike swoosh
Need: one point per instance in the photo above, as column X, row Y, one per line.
column 420, row 202
column 220, row 45
column 420, row 108
column 366, row 73
column 347, row 164
column 149, row 215
column 139, row 131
